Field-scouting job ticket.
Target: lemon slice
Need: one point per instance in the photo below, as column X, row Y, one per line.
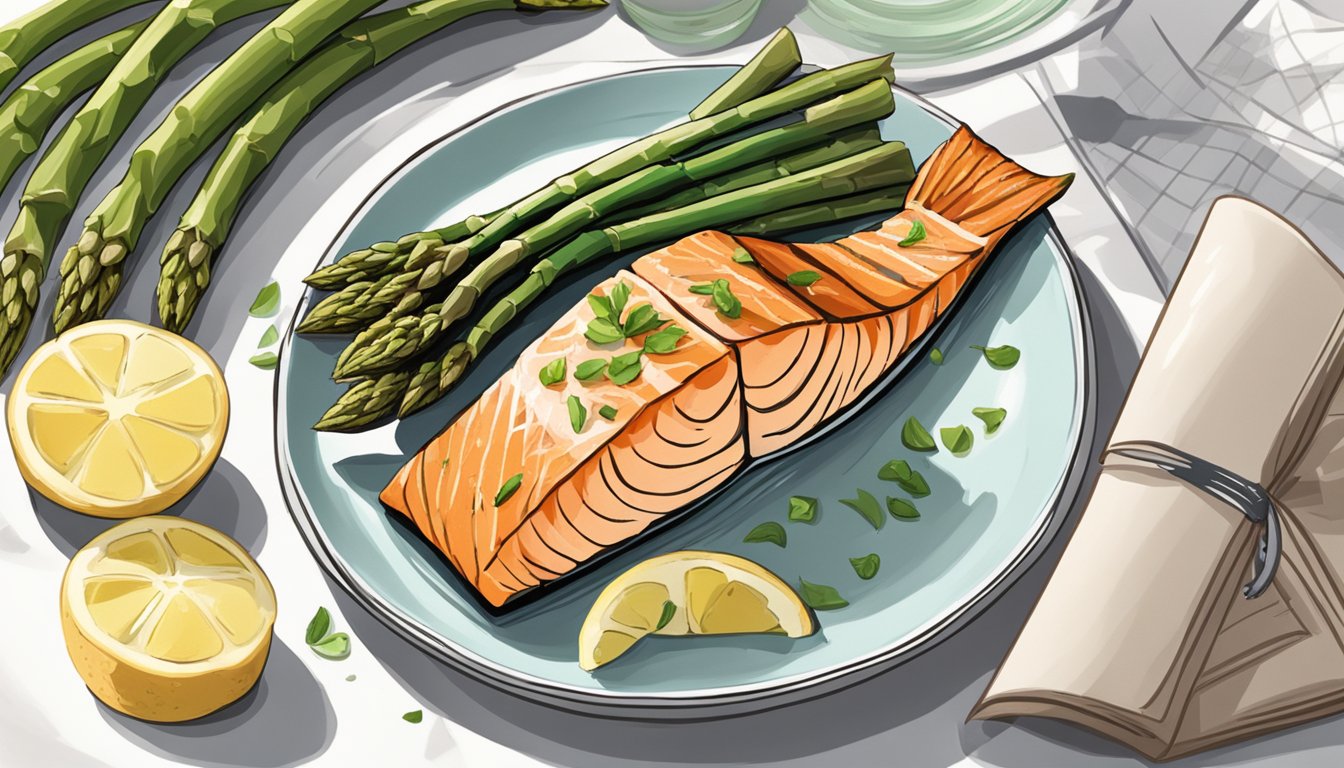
column 166, row 619
column 117, row 419
column 689, row 593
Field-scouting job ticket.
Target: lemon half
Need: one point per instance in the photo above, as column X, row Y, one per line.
column 689, row 593
column 117, row 419
column 166, row 619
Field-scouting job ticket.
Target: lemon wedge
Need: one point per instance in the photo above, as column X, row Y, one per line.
column 166, row 619
column 689, row 593
column 117, row 419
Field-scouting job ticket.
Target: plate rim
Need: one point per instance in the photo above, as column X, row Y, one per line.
column 730, row 700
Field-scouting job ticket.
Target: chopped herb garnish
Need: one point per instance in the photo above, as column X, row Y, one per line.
column 902, row 509
column 802, row 509
column 589, row 369
column 578, row 414
column 820, row 597
column 958, row 439
column 804, row 278
column 269, row 337
column 265, row 361
column 444, row 465
column 607, row 412
column 993, row 417
column 910, row 480
column 335, row 646
column 665, row 618
column 624, row 368
column 702, row 289
column 414, row 716
column 915, row 234
column 936, row 356
column 509, row 488
column 771, row 532
column 603, row 331
column 602, row 307
column 349, row 678
column 642, row 319
column 915, row 437
column 1001, row 357
column 742, row 257
column 318, row 626
column 665, row 341
column 267, row 301
column 552, row 373
column 724, row 300
column 620, row 294
column 866, row 505
column 866, row 566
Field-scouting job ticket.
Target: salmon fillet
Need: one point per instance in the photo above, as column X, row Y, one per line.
column 517, row 492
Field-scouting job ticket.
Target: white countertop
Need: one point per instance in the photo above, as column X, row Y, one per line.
column 304, row 710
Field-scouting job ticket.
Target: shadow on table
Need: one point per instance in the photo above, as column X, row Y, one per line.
column 285, row 720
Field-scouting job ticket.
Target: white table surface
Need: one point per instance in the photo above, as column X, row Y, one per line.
column 304, row 711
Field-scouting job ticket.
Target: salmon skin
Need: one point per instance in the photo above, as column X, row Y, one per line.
column 516, row 497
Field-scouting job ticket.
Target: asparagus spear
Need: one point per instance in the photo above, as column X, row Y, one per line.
column 389, row 257
column 403, row 293
column 31, row 110
column 25, row 37
column 363, row 45
column 91, row 271
column 652, row 149
column 59, row 179
column 364, row 403
column 884, row 167
column 767, row 68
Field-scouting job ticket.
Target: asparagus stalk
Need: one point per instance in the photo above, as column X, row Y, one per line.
column 656, row 148
column 826, row 212
column 91, row 271
column 364, row 403
column 884, row 167
column 25, row 37
column 59, row 179
column 774, row 62
column 401, row 294
column 186, row 262
column 31, row 110
column 389, row 257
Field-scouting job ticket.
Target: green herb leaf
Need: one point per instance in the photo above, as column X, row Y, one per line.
column 578, row 415
column 642, row 319
column 607, row 412
column 915, row 234
column 590, row 369
column 602, row 308
column 804, row 278
column 702, row 289
column 936, row 356
column 915, row 437
column 665, row 341
column 620, row 294
column 624, row 368
column 867, row 506
column 1001, row 357
column 742, row 257
column 665, row 618
column 267, row 301
column 603, row 331
column 724, row 300
column 334, row 647
column 802, row 509
column 318, row 626
column 414, row 716
column 958, row 439
column 269, row 337
column 901, row 509
column 509, row 488
column 866, row 566
column 820, row 597
column 553, row 373
column 349, row 678
column 772, row 532
column 910, row 480
column 992, row 417
column 265, row 361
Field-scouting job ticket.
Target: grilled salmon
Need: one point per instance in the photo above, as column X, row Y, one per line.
column 544, row 473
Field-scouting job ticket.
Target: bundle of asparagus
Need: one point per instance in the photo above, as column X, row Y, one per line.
column 722, row 168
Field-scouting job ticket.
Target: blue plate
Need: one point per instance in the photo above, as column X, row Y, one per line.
column 989, row 512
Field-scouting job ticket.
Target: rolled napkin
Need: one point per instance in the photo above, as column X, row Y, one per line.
column 1145, row 631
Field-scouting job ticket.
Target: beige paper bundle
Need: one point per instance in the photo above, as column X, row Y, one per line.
column 1142, row 632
